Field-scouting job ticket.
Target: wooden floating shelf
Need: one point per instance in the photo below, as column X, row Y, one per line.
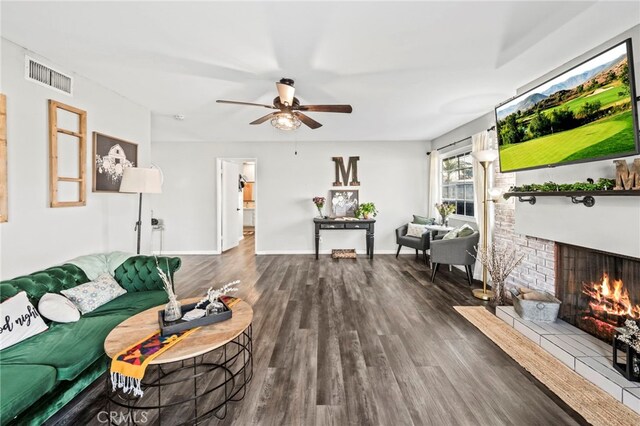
column 587, row 196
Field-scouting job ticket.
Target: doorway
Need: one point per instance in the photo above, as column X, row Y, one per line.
column 237, row 204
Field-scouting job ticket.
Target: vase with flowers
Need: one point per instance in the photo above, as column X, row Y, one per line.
column 319, row 202
column 500, row 261
column 445, row 210
column 628, row 336
column 212, row 299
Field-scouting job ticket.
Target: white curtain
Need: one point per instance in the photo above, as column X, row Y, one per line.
column 480, row 142
column 434, row 183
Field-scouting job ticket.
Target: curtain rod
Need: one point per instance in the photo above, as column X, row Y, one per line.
column 457, row 142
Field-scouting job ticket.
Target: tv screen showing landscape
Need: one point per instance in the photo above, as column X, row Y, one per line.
column 584, row 114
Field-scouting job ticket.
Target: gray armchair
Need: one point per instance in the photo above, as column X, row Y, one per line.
column 458, row 251
column 422, row 243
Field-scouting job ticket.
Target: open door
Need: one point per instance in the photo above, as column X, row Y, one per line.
column 231, row 207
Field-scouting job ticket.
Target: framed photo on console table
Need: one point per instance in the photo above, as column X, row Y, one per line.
column 344, row 202
column 110, row 157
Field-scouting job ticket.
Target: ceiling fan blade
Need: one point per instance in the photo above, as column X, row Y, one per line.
column 308, row 120
column 264, row 118
column 325, row 108
column 285, row 92
column 220, row 101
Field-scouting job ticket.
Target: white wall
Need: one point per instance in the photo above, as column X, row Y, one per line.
column 392, row 174
column 36, row 235
column 613, row 224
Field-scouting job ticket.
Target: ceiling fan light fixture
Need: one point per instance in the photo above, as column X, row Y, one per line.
column 285, row 121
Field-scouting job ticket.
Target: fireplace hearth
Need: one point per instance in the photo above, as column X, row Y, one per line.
column 598, row 290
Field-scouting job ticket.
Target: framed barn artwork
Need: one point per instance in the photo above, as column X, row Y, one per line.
column 344, row 202
column 110, row 157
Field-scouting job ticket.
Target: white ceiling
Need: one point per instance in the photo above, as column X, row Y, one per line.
column 411, row 71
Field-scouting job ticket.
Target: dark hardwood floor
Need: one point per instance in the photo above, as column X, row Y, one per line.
column 365, row 342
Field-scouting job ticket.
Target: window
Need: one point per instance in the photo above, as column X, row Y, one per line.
column 457, row 183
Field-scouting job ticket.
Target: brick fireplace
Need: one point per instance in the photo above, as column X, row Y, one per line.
column 537, row 269
column 565, row 270
column 586, row 355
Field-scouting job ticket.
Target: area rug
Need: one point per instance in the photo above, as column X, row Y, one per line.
column 343, row 253
column 591, row 402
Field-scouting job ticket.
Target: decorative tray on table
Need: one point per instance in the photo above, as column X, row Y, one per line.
column 179, row 325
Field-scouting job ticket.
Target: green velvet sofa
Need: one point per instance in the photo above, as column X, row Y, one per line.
column 43, row 373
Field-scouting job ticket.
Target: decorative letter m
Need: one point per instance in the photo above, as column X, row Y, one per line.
column 352, row 169
column 625, row 178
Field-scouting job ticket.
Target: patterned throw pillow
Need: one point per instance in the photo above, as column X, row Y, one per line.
column 423, row 220
column 20, row 320
column 415, row 230
column 90, row 296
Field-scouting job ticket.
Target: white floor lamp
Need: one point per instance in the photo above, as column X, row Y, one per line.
column 485, row 158
column 141, row 181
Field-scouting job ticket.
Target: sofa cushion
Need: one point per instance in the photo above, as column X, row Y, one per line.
column 21, row 386
column 131, row 303
column 71, row 347
column 408, row 241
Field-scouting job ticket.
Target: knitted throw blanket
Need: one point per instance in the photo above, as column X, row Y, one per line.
column 129, row 365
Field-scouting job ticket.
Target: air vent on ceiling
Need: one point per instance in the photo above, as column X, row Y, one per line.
column 45, row 75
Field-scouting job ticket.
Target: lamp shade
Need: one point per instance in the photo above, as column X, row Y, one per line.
column 486, row 155
column 140, row 180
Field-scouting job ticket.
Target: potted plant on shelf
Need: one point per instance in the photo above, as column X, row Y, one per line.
column 366, row 210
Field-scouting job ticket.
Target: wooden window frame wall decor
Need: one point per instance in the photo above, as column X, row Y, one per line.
column 4, row 213
column 81, row 136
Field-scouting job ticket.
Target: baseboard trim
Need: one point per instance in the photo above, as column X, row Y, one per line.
column 259, row 252
column 285, row 252
column 186, row 252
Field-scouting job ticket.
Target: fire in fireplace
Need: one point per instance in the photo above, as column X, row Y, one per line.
column 598, row 290
column 608, row 307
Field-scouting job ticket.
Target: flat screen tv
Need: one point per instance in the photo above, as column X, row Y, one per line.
column 585, row 114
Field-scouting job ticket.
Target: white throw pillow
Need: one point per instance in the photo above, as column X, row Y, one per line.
column 58, row 308
column 415, row 230
column 451, row 234
column 19, row 320
column 455, row 232
column 90, row 296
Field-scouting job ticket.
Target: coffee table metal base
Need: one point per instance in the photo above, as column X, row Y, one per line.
column 202, row 385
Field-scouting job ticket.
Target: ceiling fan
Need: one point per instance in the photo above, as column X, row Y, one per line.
column 289, row 115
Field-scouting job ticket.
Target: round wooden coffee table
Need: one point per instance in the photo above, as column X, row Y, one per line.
column 203, row 372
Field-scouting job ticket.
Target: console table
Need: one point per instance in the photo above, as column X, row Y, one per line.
column 348, row 225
